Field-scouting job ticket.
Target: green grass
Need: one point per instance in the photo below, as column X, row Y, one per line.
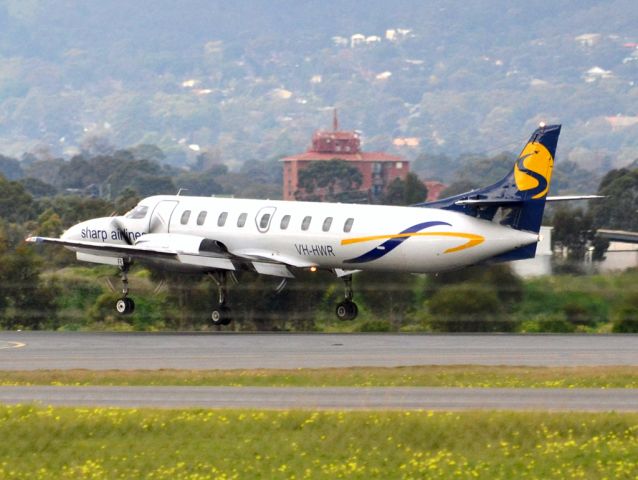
column 425, row 376
column 107, row 443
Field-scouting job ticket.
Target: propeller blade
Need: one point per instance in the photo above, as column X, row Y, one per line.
column 122, row 231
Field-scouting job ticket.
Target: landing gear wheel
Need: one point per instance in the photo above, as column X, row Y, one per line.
column 347, row 310
column 125, row 306
column 221, row 316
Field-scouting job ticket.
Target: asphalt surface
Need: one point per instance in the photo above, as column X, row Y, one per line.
column 127, row 351
column 342, row 398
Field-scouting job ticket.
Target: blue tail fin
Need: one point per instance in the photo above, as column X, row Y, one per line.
column 519, row 198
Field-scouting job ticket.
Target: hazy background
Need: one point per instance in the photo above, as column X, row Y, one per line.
column 252, row 79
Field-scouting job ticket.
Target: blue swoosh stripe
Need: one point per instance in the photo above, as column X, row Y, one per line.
column 392, row 243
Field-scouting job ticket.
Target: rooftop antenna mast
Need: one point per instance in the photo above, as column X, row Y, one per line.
column 335, row 121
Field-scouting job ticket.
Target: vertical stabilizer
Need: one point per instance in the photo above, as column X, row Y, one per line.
column 519, row 198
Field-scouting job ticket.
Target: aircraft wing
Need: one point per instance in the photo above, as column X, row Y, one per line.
column 618, row 235
column 107, row 249
column 187, row 250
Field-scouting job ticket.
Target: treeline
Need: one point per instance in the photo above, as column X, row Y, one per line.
column 111, row 174
column 479, row 299
column 45, row 288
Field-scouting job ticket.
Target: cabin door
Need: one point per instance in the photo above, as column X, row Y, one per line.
column 161, row 217
column 264, row 218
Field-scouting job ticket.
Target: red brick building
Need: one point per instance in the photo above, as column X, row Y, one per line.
column 378, row 169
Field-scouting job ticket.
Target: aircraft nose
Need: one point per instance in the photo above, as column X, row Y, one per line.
column 73, row 233
column 90, row 230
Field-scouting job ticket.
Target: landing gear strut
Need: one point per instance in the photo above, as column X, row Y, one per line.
column 347, row 310
column 222, row 314
column 125, row 305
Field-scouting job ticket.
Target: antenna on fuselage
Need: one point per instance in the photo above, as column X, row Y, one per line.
column 179, row 192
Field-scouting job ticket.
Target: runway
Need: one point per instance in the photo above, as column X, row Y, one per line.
column 131, row 351
column 343, row 398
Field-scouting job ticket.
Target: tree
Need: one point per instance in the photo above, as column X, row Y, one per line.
column 458, row 187
column 507, row 285
column 625, row 316
column 328, row 180
column 200, row 183
column 74, row 209
column 38, row 188
column 16, row 205
column 573, row 228
column 127, row 199
column 618, row 209
column 389, row 295
column 467, row 308
column 25, row 301
column 405, row 192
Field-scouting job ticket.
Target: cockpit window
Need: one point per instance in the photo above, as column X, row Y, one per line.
column 138, row 212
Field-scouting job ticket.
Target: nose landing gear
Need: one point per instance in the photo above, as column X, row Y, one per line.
column 125, row 305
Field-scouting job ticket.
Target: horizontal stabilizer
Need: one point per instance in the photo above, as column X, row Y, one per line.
column 571, row 198
column 618, row 235
column 490, row 202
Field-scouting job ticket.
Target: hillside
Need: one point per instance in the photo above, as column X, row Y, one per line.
column 252, row 80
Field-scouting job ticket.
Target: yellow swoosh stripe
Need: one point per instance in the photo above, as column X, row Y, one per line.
column 473, row 239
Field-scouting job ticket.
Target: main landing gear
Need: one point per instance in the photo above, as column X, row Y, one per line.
column 125, row 305
column 347, row 310
column 222, row 314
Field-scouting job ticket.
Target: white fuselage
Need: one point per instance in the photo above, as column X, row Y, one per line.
column 324, row 235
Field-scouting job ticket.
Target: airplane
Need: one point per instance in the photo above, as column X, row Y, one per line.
column 220, row 236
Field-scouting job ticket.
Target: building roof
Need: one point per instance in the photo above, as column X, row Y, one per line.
column 350, row 157
column 341, row 145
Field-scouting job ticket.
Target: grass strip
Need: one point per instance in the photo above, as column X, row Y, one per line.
column 422, row 376
column 105, row 443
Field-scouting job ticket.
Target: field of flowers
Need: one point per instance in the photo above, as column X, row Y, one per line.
column 108, row 443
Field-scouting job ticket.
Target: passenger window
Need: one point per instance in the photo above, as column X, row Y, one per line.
column 265, row 220
column 221, row 221
column 241, row 221
column 306, row 223
column 326, row 224
column 201, row 217
column 185, row 216
column 285, row 220
column 348, row 225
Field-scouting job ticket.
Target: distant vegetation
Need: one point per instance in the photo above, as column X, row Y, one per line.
column 44, row 287
column 252, row 80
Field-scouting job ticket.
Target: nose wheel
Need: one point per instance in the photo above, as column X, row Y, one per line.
column 125, row 305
